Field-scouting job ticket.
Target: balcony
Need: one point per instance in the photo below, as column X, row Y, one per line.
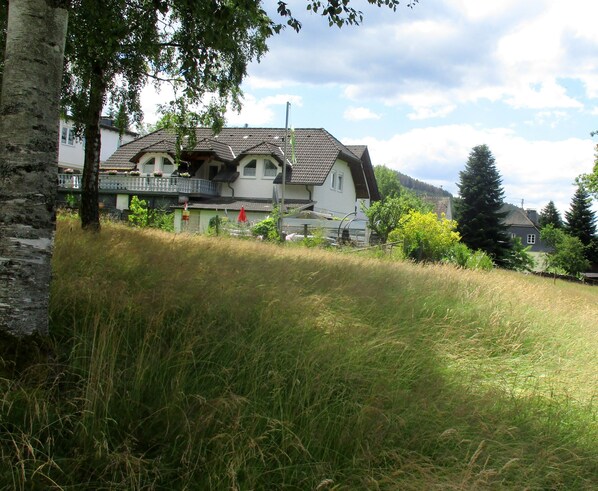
column 144, row 184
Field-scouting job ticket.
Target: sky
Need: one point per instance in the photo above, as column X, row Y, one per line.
column 421, row 87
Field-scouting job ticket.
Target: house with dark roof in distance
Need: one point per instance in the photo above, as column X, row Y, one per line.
column 524, row 224
column 240, row 168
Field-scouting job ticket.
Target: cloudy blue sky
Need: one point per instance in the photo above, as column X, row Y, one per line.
column 423, row 86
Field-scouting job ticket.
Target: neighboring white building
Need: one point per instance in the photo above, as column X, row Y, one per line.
column 71, row 151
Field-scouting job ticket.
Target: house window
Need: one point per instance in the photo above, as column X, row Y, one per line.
column 531, row 238
column 212, row 172
column 167, row 166
column 270, row 170
column 249, row 169
column 149, row 166
column 67, row 136
column 333, row 180
column 339, row 183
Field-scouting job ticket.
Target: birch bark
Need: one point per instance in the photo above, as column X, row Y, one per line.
column 29, row 127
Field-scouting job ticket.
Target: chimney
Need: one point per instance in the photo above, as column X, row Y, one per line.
column 532, row 215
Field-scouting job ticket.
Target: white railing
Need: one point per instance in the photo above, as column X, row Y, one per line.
column 167, row 185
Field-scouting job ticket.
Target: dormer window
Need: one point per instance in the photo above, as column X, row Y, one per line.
column 270, row 169
column 167, row 166
column 250, row 169
column 149, row 166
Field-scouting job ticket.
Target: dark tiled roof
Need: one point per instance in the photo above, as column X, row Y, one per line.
column 316, row 151
column 516, row 217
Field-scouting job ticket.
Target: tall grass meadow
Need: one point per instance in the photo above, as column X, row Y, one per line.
column 188, row 362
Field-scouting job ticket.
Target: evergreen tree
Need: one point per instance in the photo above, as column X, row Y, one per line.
column 480, row 221
column 581, row 221
column 550, row 216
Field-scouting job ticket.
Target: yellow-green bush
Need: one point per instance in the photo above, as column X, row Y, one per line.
column 424, row 237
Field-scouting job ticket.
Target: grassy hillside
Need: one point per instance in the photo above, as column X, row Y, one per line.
column 205, row 363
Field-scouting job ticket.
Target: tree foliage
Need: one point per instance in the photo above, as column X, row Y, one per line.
column 389, row 184
column 580, row 218
column 590, row 181
column 550, row 216
column 480, row 221
column 424, row 237
column 568, row 254
column 385, row 215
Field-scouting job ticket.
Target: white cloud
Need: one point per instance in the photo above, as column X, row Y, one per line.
column 359, row 114
column 535, row 171
column 268, row 111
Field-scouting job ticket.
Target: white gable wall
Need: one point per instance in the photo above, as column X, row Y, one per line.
column 71, row 154
column 332, row 197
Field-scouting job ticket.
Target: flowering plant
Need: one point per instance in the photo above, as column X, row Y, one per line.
column 112, row 172
column 134, row 173
column 185, row 174
column 157, row 173
column 69, row 171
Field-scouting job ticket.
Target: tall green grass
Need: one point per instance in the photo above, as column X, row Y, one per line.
column 186, row 362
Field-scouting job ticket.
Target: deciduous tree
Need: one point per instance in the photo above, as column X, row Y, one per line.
column 480, row 221
column 29, row 125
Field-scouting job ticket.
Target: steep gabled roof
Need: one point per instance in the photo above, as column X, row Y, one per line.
column 516, row 217
column 315, row 150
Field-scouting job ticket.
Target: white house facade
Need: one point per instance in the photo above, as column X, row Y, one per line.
column 240, row 168
column 71, row 149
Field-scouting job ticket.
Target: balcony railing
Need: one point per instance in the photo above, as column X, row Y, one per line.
column 140, row 184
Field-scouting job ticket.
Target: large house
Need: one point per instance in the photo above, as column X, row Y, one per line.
column 239, row 168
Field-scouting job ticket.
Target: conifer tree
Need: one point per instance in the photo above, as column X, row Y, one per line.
column 581, row 221
column 550, row 216
column 480, row 221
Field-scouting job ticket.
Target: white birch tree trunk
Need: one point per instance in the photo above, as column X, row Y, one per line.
column 29, row 126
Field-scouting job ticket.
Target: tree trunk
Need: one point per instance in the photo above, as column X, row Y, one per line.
column 29, row 127
column 90, row 195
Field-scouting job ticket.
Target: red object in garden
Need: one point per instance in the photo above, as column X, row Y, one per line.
column 242, row 216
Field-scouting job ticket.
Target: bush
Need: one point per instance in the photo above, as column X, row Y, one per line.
column 268, row 227
column 462, row 256
column 568, row 252
column 424, row 237
column 519, row 258
column 141, row 216
column 385, row 216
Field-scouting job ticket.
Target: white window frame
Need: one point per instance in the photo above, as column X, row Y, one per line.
column 531, row 239
column 154, row 169
column 67, row 136
column 246, row 167
column 333, row 180
column 275, row 169
column 340, row 181
column 167, row 161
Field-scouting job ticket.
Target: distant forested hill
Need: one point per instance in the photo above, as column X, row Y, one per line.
column 420, row 187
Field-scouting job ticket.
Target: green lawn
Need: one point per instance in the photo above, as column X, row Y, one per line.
column 184, row 362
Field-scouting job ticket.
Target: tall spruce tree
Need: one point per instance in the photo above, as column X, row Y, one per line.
column 480, row 221
column 581, row 221
column 550, row 216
